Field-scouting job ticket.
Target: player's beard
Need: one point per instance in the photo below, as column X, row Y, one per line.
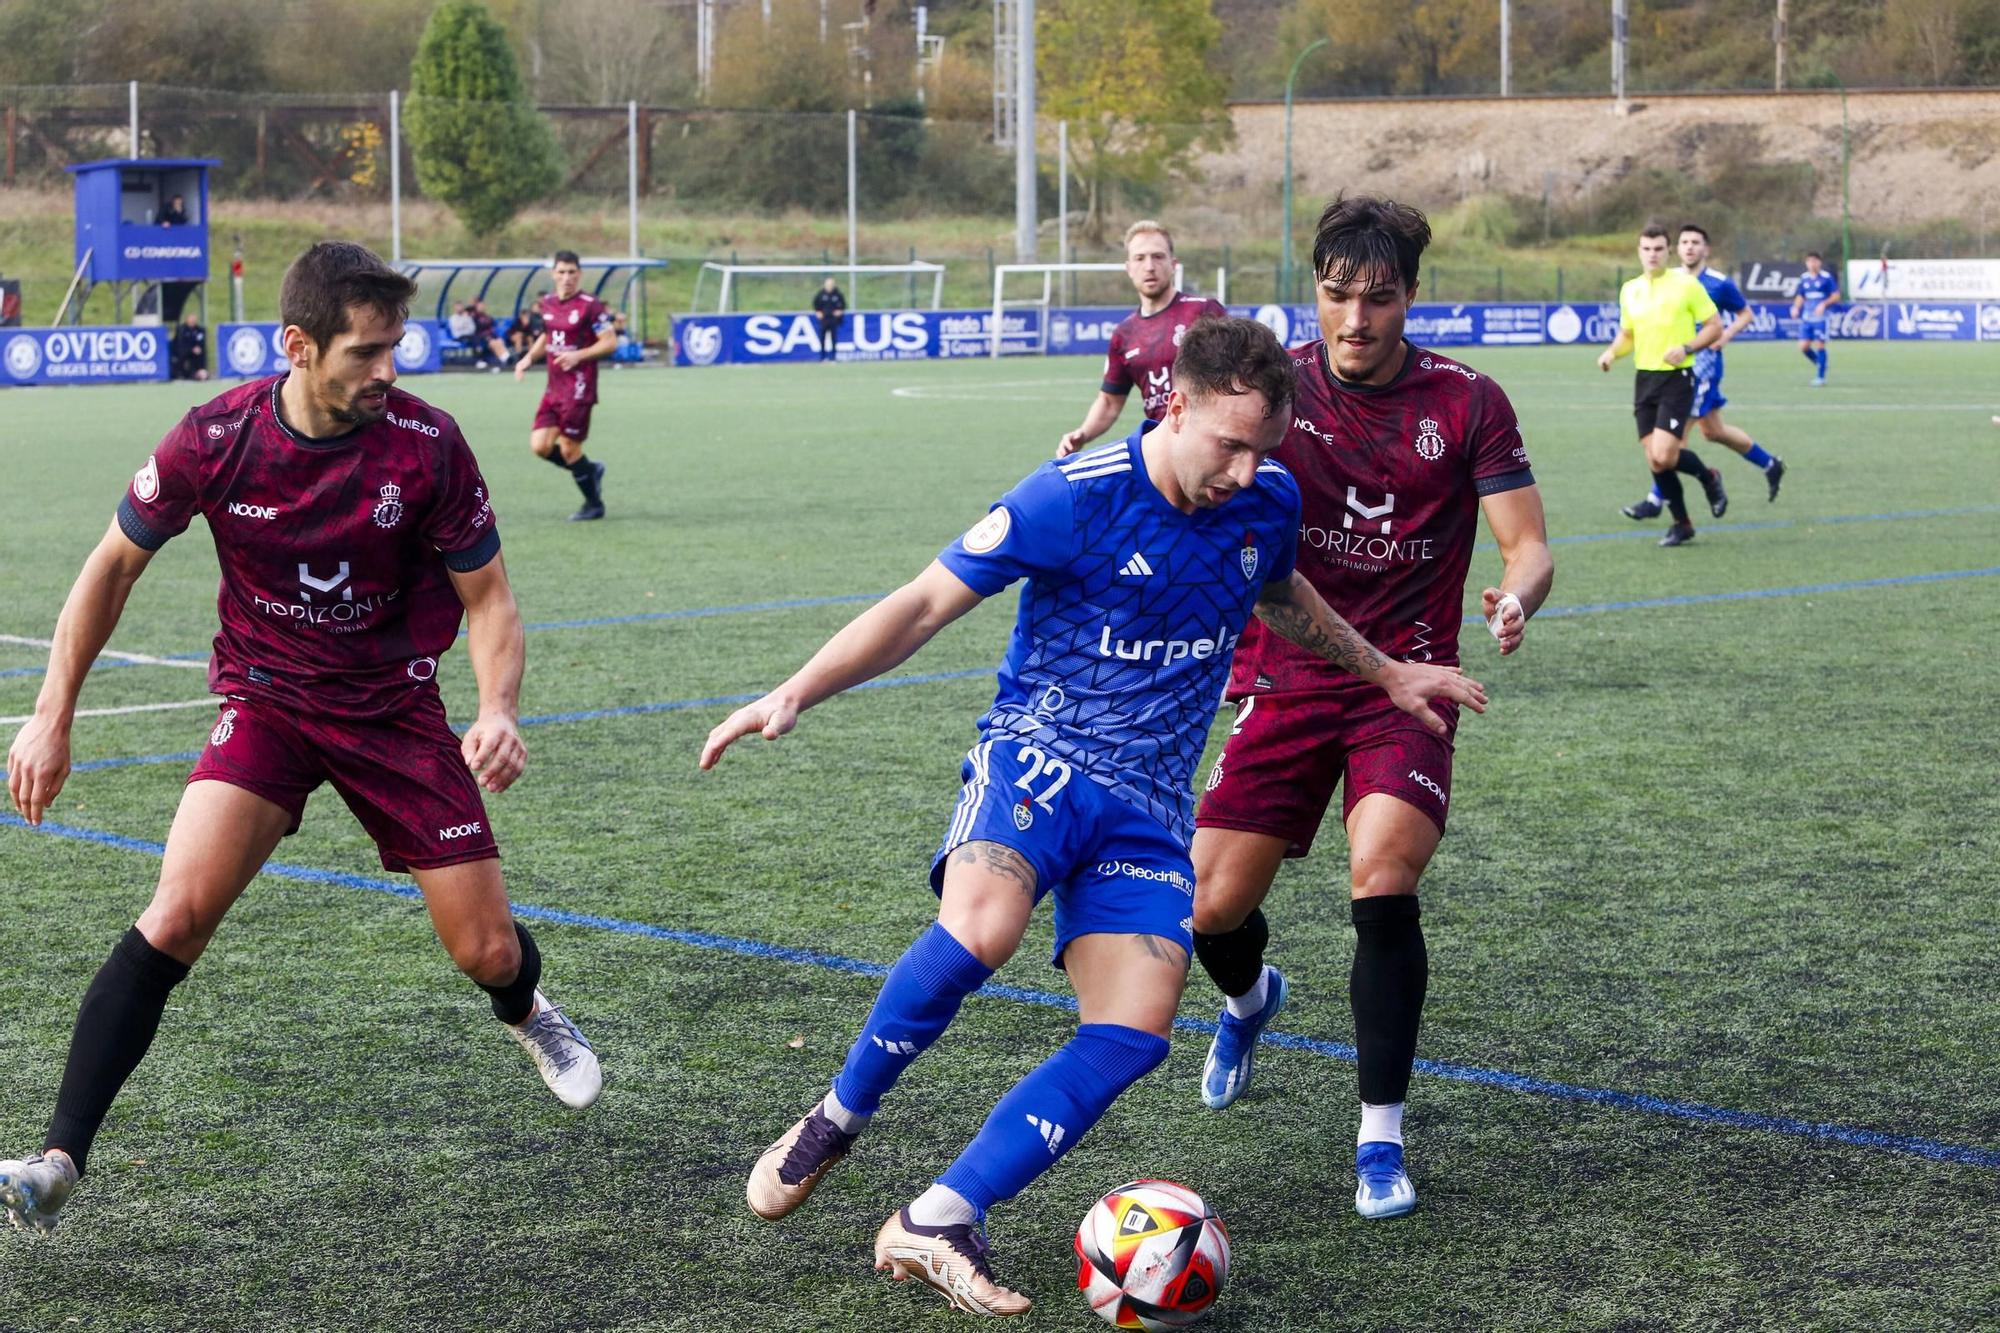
column 354, row 413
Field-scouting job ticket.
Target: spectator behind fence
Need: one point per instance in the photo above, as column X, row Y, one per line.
column 831, row 307
column 527, row 327
column 188, row 353
column 485, row 341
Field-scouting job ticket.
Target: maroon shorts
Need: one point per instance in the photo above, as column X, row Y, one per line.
column 1287, row 752
column 566, row 415
column 402, row 776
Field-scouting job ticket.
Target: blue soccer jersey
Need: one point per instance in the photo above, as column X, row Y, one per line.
column 1130, row 615
column 1816, row 287
column 1728, row 298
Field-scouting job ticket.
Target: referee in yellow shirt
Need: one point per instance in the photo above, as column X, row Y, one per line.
column 1664, row 318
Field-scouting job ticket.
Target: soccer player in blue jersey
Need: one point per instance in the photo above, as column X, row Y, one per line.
column 1708, row 400
column 1817, row 289
column 1144, row 561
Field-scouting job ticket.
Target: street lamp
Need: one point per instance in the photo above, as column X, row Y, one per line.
column 1846, row 155
column 1285, row 263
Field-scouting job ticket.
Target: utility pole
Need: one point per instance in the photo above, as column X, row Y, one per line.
column 1507, row 47
column 1024, row 132
column 1620, row 30
column 1778, row 41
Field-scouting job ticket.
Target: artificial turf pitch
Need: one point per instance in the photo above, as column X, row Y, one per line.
column 1712, row 935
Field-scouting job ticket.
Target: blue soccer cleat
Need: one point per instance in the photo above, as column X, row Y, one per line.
column 1227, row 1071
column 1382, row 1188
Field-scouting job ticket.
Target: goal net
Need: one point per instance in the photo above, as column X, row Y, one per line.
column 738, row 287
column 1042, row 286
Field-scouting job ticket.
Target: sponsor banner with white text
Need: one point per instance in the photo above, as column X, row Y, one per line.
column 865, row 335
column 107, row 355
column 1923, row 280
column 250, row 350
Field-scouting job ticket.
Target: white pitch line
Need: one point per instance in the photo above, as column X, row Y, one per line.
column 117, row 712
column 144, row 659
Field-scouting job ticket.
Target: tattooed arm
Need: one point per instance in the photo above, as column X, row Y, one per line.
column 1295, row 610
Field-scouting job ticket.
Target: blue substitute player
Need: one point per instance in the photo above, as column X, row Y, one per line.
column 1144, row 561
column 1817, row 289
column 1692, row 243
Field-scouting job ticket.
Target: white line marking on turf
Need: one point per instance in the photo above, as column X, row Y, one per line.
column 117, row 712
column 145, row 659
column 976, row 392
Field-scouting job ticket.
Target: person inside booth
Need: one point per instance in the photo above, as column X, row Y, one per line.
column 175, row 213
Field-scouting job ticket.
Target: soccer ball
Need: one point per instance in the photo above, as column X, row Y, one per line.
column 1151, row 1255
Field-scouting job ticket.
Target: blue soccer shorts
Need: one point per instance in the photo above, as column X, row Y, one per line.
column 1114, row 869
column 1707, row 382
column 1812, row 330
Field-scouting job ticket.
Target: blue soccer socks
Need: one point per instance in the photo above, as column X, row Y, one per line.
column 1758, row 457
column 1044, row 1114
column 919, row 998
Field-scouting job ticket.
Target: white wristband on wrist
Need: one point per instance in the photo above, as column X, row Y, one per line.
column 1499, row 611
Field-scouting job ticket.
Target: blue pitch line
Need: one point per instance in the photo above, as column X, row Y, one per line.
column 927, row 678
column 747, row 608
column 1765, row 525
column 1696, row 1112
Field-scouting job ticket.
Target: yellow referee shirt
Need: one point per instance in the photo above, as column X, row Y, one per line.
column 1662, row 310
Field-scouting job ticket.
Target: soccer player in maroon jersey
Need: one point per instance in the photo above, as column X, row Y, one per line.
column 1397, row 452
column 562, row 419
column 1144, row 344
column 353, row 531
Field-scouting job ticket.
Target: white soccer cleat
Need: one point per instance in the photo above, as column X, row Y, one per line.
column 32, row 1192
column 567, row 1062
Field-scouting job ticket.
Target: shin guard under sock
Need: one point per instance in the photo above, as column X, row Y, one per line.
column 1386, row 988
column 919, row 998
column 114, row 1027
column 1668, row 483
column 1235, row 958
column 514, row 1002
column 1044, row 1114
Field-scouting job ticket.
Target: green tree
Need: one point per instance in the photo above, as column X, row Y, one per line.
column 478, row 144
column 1135, row 85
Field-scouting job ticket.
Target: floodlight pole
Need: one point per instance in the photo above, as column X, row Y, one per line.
column 1507, row 47
column 395, row 176
column 1024, row 133
column 1062, row 199
column 1846, row 236
column 1778, row 41
column 1285, row 250
column 853, row 217
column 132, row 98
column 1620, row 33
column 632, row 176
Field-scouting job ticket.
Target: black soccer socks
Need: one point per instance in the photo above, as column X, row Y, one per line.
column 585, row 473
column 1691, row 464
column 514, row 1003
column 1391, row 973
column 114, row 1027
column 1235, row 959
column 1669, row 482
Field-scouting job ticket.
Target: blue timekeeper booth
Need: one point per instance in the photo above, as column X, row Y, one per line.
column 121, row 225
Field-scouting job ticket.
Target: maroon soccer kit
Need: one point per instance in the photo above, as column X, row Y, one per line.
column 335, row 606
column 1391, row 478
column 1143, row 348
column 570, row 326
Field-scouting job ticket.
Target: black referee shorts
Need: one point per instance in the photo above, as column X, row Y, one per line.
column 1663, row 400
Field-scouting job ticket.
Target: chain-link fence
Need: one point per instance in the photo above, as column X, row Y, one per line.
column 1530, row 199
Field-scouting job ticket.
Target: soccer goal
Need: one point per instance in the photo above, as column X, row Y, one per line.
column 1034, row 340
column 881, row 291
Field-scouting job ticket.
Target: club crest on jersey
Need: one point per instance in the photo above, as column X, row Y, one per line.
column 146, row 485
column 225, row 727
column 1247, row 557
column 1024, row 815
column 1180, row 332
column 389, row 509
column 1430, row 444
column 988, row 532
